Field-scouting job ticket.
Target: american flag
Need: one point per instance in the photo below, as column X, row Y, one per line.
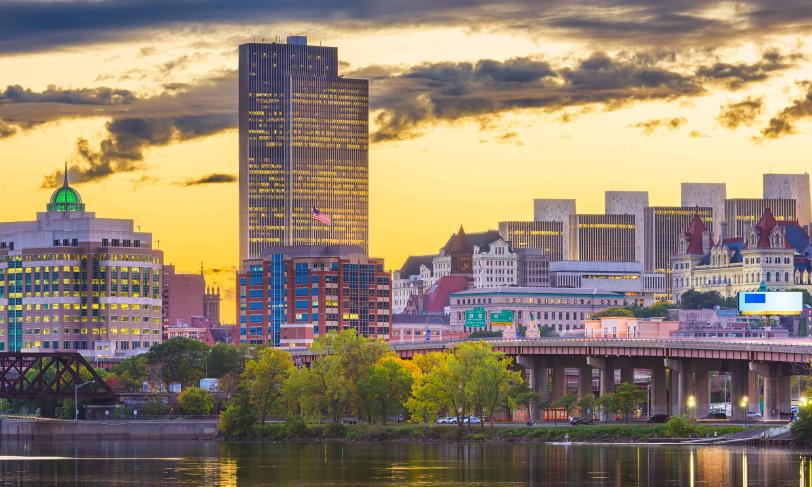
column 321, row 217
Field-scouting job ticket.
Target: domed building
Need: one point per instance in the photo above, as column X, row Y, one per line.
column 73, row 282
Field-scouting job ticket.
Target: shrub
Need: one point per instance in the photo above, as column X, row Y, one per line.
column 196, row 401
column 802, row 427
column 335, row 430
column 679, row 427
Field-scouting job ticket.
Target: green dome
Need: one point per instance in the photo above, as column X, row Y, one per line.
column 66, row 198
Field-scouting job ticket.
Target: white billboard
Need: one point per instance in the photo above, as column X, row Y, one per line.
column 771, row 303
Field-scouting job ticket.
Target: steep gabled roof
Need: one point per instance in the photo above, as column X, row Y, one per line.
column 412, row 265
column 462, row 242
column 694, row 235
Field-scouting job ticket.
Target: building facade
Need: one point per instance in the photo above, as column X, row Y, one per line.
column 773, row 252
column 607, row 238
column 705, row 195
column 533, row 268
column 72, row 282
column 791, row 187
column 742, row 213
column 626, row 278
column 303, row 144
column 305, row 291
column 412, row 279
column 547, row 236
column 621, row 327
column 556, row 211
column 629, row 203
column 503, row 308
column 182, row 296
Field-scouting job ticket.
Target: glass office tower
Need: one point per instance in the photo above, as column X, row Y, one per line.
column 304, row 138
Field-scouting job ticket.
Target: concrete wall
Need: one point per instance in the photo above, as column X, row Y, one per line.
column 109, row 430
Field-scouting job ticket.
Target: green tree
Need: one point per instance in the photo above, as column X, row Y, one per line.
column 491, row 381
column 610, row 404
column 385, row 389
column 628, row 397
column 613, row 313
column 586, row 404
column 524, row 395
column 567, row 402
column 692, row 299
column 180, row 360
column 133, row 371
column 346, row 357
column 224, row 358
column 299, row 395
column 239, row 418
column 195, row 401
column 264, row 378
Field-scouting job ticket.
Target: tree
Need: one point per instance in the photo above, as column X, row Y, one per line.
column 196, row 401
column 385, row 389
column 627, row 398
column 613, row 313
column 586, row 404
column 224, row 358
column 491, row 381
column 524, row 395
column 132, row 372
column 299, row 394
column 179, row 360
column 264, row 378
column 239, row 418
column 692, row 299
column 567, row 402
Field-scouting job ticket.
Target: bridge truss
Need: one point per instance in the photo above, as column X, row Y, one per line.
column 50, row 376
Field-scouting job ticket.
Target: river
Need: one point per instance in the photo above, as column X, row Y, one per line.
column 210, row 463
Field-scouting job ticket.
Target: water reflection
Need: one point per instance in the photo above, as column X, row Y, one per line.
column 211, row 463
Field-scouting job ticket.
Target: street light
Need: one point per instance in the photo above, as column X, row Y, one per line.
column 743, row 405
column 76, row 398
column 803, row 401
column 692, row 405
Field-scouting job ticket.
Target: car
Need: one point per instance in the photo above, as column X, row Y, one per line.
column 716, row 415
column 659, row 418
column 473, row 420
column 530, row 422
column 447, row 420
column 753, row 415
column 576, row 420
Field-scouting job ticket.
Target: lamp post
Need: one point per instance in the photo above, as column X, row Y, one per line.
column 743, row 405
column 76, row 398
column 692, row 406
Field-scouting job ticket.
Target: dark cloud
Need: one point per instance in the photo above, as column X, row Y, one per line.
column 36, row 25
column 784, row 123
column 197, row 110
column 53, row 94
column 435, row 92
column 735, row 114
column 650, row 126
column 215, row 178
column 735, row 76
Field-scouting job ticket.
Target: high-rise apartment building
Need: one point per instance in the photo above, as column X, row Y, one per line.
column 70, row 281
column 794, row 187
column 547, row 236
column 607, row 238
column 704, row 195
column 303, row 144
column 742, row 213
column 629, row 203
column 294, row 294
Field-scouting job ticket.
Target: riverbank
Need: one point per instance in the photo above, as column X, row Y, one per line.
column 608, row 433
column 55, row 429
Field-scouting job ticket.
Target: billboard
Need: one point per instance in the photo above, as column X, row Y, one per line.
column 475, row 318
column 771, row 303
column 502, row 318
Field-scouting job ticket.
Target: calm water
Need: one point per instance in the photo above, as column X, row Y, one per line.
column 202, row 463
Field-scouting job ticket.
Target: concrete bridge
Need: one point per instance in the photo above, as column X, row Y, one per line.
column 678, row 368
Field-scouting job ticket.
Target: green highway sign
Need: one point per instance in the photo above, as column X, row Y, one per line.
column 475, row 318
column 502, row 318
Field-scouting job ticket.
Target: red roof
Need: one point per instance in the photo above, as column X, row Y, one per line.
column 694, row 235
column 438, row 296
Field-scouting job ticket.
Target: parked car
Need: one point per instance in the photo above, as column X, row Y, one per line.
column 716, row 415
column 447, row 420
column 577, row 420
column 659, row 418
column 753, row 415
column 473, row 420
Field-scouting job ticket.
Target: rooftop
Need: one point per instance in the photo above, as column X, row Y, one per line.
column 537, row 291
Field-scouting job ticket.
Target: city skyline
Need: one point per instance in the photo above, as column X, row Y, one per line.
column 158, row 116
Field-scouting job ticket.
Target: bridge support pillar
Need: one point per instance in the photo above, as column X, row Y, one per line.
column 676, row 371
column 701, row 385
column 539, row 383
column 659, row 403
column 627, row 373
column 739, row 388
column 559, row 382
column 606, row 365
column 584, row 380
column 784, row 395
column 777, row 390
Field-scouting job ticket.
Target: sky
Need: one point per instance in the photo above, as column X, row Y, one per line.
column 476, row 107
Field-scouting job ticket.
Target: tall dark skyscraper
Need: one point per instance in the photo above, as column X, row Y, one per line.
column 304, row 144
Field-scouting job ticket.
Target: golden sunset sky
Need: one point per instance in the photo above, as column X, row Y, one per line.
column 477, row 108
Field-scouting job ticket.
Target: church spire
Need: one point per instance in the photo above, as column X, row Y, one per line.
column 65, row 182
